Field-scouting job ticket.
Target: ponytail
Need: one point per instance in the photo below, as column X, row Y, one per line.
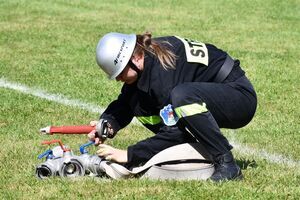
column 165, row 56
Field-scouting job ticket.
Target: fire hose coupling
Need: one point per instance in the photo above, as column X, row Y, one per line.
column 60, row 161
column 102, row 129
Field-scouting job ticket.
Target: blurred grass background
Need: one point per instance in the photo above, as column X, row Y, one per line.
column 50, row 45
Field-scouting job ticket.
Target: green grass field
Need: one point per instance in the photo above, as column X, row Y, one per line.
column 50, row 46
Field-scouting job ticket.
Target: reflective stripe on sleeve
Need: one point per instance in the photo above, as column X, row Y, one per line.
column 190, row 109
column 152, row 120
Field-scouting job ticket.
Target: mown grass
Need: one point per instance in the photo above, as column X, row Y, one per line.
column 51, row 45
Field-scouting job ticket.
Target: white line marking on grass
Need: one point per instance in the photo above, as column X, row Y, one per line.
column 263, row 154
column 58, row 98
column 273, row 158
column 51, row 97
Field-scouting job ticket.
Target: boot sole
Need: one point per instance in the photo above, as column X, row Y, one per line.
column 238, row 177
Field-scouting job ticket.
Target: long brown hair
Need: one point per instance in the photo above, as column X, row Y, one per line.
column 165, row 56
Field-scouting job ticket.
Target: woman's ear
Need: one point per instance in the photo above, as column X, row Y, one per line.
column 137, row 57
column 138, row 60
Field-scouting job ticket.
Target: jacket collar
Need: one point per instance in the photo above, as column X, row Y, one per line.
column 144, row 81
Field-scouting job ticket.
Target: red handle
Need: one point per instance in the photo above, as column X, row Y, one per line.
column 83, row 129
column 56, row 141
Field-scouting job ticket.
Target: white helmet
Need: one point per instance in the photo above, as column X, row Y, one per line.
column 114, row 51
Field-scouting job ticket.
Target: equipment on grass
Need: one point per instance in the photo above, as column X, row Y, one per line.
column 181, row 162
column 61, row 161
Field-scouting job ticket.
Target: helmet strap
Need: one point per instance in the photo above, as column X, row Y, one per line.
column 135, row 68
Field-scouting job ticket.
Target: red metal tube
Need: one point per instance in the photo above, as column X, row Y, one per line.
column 81, row 129
column 84, row 129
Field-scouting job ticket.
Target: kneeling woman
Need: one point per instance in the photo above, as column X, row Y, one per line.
column 207, row 89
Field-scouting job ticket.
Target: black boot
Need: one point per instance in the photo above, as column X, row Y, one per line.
column 226, row 168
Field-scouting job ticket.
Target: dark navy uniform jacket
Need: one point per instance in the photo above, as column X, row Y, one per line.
column 151, row 92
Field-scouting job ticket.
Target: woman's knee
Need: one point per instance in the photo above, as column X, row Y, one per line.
column 184, row 94
column 178, row 95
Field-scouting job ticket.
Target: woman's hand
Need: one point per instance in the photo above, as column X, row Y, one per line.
column 92, row 134
column 112, row 154
column 92, row 137
column 98, row 137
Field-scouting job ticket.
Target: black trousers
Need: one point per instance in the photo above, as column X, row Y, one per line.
column 230, row 104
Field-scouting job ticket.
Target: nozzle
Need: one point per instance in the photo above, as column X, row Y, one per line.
column 45, row 131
